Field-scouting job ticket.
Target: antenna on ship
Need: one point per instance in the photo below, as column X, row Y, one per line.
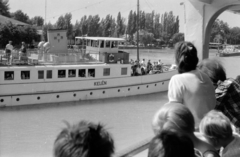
column 138, row 30
column 45, row 12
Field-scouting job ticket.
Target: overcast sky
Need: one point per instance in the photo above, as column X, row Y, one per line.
column 79, row 8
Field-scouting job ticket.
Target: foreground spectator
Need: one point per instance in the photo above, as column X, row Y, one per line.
column 177, row 117
column 217, row 129
column 227, row 91
column 191, row 87
column 84, row 139
column 170, row 144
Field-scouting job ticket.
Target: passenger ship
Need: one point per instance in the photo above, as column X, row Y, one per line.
column 96, row 70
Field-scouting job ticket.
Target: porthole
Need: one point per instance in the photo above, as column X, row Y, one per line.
column 128, row 89
column 91, row 93
column 155, row 84
column 74, row 95
column 162, row 82
column 57, row 96
column 2, row 100
column 38, row 97
column 17, row 99
column 138, row 87
column 103, row 92
column 119, row 90
column 147, row 86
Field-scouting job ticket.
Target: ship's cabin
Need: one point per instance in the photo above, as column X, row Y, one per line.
column 103, row 49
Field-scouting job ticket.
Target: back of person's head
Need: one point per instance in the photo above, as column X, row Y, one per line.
column 214, row 69
column 215, row 125
column 84, row 139
column 186, row 56
column 173, row 116
column 171, row 144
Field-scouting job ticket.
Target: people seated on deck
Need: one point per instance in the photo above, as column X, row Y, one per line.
column 171, row 144
column 177, row 117
column 217, row 129
column 84, row 139
column 131, row 62
column 159, row 62
column 227, row 91
column 8, row 51
column 143, row 62
column 149, row 66
column 138, row 70
column 191, row 87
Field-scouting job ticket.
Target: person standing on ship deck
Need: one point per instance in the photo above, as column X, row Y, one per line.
column 8, row 51
column 40, row 49
column 23, row 50
column 191, row 87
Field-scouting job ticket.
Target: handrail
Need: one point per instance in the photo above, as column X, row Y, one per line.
column 135, row 149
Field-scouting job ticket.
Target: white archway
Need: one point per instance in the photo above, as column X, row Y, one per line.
column 199, row 18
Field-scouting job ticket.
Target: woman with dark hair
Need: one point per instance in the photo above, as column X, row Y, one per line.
column 214, row 69
column 227, row 90
column 191, row 87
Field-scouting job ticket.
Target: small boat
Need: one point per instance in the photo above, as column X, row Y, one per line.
column 95, row 70
column 230, row 50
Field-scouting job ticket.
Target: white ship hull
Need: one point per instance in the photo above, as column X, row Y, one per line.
column 66, row 91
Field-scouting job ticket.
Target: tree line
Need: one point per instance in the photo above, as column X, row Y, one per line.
column 163, row 28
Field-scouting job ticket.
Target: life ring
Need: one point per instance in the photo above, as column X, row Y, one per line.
column 111, row 58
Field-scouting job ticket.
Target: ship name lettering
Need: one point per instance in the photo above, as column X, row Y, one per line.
column 100, row 83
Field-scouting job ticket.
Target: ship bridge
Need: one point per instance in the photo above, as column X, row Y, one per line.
column 199, row 16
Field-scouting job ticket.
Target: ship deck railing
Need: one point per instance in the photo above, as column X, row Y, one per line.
column 134, row 149
column 35, row 57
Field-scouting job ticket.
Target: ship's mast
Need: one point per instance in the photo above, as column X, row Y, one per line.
column 138, row 30
column 45, row 12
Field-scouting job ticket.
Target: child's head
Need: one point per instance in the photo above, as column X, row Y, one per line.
column 173, row 116
column 186, row 56
column 171, row 144
column 84, row 139
column 215, row 126
column 214, row 69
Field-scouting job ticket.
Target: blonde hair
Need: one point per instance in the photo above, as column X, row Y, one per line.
column 215, row 125
column 173, row 116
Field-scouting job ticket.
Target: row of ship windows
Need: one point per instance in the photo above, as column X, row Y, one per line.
column 62, row 73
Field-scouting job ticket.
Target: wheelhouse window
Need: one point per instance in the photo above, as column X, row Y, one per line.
column 91, row 72
column 40, row 74
column 25, row 75
column 95, row 43
column 61, row 73
column 106, row 72
column 49, row 74
column 9, row 75
column 71, row 73
column 114, row 44
column 101, row 44
column 107, row 43
column 82, row 73
column 124, row 71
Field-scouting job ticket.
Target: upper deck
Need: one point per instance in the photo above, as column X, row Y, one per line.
column 98, row 44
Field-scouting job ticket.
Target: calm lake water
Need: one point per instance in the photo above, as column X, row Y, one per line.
column 30, row 131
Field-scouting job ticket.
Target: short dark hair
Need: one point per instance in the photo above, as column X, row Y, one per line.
column 84, row 139
column 171, row 144
column 214, row 69
column 186, row 56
